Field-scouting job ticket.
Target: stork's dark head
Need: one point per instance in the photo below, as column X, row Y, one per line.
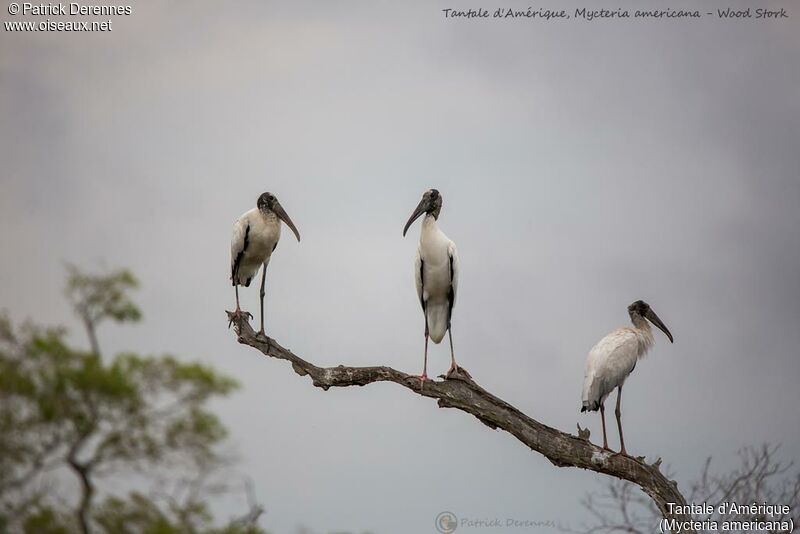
column 267, row 202
column 431, row 203
column 641, row 309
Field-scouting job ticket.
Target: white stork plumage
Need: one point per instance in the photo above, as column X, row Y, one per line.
column 436, row 273
column 613, row 358
column 255, row 236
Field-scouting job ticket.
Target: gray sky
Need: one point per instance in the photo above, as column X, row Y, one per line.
column 582, row 165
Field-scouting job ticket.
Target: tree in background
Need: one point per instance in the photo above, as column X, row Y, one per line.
column 760, row 477
column 96, row 298
column 67, row 416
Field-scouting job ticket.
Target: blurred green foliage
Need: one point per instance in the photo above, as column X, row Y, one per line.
column 70, row 415
column 97, row 297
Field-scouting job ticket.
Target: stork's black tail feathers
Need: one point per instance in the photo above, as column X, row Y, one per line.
column 590, row 407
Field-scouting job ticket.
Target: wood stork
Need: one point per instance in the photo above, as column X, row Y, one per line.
column 436, row 272
column 255, row 236
column 613, row 358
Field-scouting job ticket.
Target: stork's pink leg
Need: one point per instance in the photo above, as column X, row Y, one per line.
column 424, row 376
column 238, row 313
column 618, row 413
column 261, row 296
column 454, row 368
column 603, row 419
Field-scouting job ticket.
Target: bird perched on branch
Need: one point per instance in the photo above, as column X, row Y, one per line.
column 436, row 272
column 255, row 236
column 614, row 358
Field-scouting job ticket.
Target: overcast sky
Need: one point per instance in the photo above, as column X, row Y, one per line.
column 582, row 165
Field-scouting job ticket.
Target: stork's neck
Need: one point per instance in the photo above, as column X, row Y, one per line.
column 268, row 214
column 644, row 333
column 429, row 219
column 429, row 226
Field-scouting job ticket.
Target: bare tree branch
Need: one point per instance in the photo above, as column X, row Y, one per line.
column 87, row 485
column 461, row 392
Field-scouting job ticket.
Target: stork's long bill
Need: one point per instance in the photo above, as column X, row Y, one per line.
column 653, row 318
column 282, row 215
column 422, row 207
